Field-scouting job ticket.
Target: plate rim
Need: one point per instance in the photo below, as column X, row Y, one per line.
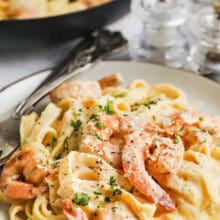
column 193, row 74
column 24, row 78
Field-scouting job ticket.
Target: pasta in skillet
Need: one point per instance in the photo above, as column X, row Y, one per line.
column 102, row 151
column 22, row 9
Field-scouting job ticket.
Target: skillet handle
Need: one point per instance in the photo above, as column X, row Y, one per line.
column 96, row 46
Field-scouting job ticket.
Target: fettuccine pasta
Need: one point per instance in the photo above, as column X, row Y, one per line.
column 100, row 151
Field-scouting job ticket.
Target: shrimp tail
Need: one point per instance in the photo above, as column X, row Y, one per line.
column 20, row 190
column 22, row 176
column 165, row 201
column 73, row 213
column 134, row 167
column 152, row 191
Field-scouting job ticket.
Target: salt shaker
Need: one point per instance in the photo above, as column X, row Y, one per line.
column 160, row 39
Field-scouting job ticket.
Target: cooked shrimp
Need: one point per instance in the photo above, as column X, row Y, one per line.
column 163, row 154
column 23, row 175
column 113, row 80
column 99, row 138
column 202, row 121
column 116, row 211
column 105, row 135
column 194, row 127
column 73, row 212
column 192, row 135
column 166, row 158
column 76, row 89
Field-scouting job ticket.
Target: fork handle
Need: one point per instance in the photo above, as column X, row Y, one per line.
column 93, row 48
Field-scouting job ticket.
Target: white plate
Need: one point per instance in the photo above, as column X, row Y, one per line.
column 202, row 93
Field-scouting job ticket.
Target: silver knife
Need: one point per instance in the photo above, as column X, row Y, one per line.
column 93, row 48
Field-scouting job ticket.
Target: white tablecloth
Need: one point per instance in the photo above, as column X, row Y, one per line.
column 17, row 63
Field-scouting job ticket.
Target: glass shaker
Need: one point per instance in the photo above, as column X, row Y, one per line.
column 205, row 27
column 198, row 4
column 160, row 39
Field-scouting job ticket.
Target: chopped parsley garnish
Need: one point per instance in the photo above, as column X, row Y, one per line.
column 99, row 125
column 81, row 199
column 120, row 95
column 97, row 109
column 58, row 157
column 26, row 140
column 117, row 191
column 55, row 164
column 129, row 126
column 54, row 139
column 154, row 118
column 107, row 199
column 182, row 128
column 150, row 103
column 98, row 122
column 202, row 142
column 108, row 109
column 94, row 116
column 76, row 124
column 112, row 182
column 114, row 208
column 97, row 193
column 201, row 119
column 176, row 138
column 195, row 131
column 100, row 206
column 218, row 144
column 96, row 136
column 65, row 144
column 79, row 112
column 135, row 106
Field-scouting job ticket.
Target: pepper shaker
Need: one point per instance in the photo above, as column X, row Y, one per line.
column 205, row 28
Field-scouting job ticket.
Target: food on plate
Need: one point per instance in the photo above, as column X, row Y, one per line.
column 23, row 9
column 102, row 151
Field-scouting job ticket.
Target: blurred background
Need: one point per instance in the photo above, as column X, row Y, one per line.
column 37, row 34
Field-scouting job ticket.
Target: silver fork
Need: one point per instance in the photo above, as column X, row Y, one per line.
column 93, row 48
